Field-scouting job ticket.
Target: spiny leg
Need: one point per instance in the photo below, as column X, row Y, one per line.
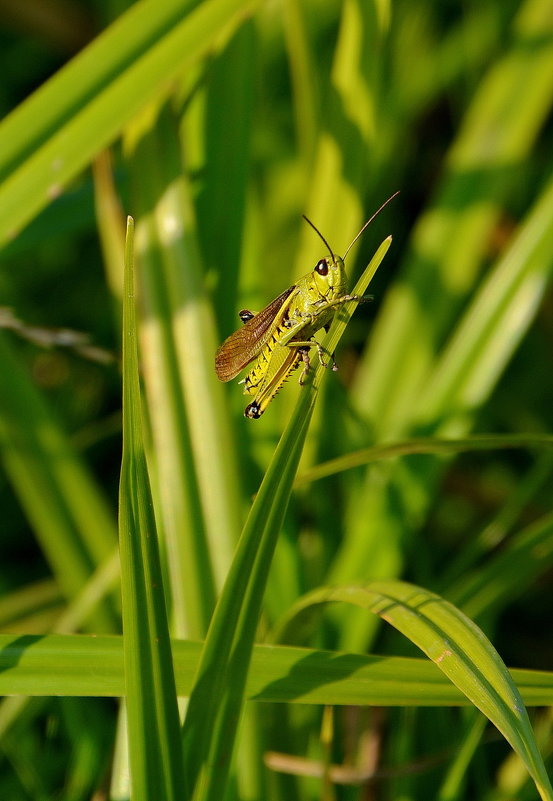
column 251, row 384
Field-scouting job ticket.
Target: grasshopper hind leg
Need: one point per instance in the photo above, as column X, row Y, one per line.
column 304, row 347
column 304, row 353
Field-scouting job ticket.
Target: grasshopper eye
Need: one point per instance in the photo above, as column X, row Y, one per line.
column 322, row 267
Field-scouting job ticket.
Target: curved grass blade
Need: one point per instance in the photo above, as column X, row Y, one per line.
column 456, row 645
column 508, row 573
column 478, row 442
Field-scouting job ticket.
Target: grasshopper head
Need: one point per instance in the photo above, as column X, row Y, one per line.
column 329, row 276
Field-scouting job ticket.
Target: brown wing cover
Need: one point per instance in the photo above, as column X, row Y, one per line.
column 243, row 345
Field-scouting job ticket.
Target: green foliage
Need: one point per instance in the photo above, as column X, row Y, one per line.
column 426, row 459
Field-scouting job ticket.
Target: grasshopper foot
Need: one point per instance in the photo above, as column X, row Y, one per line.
column 306, row 365
column 253, row 411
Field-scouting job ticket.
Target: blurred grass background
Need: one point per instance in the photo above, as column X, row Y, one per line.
column 225, row 121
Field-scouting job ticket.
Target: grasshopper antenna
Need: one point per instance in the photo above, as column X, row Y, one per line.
column 322, row 237
column 369, row 221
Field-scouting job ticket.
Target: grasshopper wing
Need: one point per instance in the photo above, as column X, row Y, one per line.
column 240, row 348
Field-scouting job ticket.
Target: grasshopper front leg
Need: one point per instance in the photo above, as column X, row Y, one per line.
column 345, row 299
column 300, row 319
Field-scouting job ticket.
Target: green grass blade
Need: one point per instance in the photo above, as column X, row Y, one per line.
column 228, row 120
column 20, row 605
column 54, row 664
column 303, row 79
column 495, row 322
column 507, row 574
column 68, row 512
column 153, row 721
column 451, row 239
column 477, row 442
column 168, row 286
column 82, row 123
column 110, row 54
column 500, row 527
column 195, row 341
column 458, row 647
column 337, row 184
column 111, row 225
column 457, row 384
column 218, row 695
column 200, row 502
column 453, row 785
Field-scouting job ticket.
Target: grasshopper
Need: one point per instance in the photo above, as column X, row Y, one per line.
column 280, row 336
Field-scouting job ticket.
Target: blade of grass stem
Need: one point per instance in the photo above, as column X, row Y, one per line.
column 170, row 290
column 53, row 664
column 153, row 719
column 477, row 442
